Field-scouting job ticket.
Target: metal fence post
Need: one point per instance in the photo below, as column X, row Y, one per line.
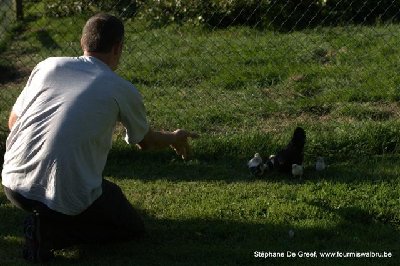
column 18, row 9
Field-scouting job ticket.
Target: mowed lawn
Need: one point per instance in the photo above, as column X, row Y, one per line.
column 214, row 213
column 244, row 91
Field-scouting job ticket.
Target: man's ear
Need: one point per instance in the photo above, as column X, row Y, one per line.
column 82, row 46
column 117, row 48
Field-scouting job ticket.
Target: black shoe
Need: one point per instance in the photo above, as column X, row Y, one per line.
column 35, row 249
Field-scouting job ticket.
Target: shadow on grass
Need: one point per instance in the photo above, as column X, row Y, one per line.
column 10, row 232
column 206, row 241
column 46, row 40
column 164, row 165
column 219, row 242
column 11, row 74
column 8, row 73
column 134, row 164
column 222, row 242
column 351, row 214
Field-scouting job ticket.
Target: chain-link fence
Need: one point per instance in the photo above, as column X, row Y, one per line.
column 7, row 18
column 240, row 71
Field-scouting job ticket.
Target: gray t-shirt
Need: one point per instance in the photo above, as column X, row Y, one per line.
column 58, row 146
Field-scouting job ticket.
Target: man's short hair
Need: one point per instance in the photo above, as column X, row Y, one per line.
column 101, row 32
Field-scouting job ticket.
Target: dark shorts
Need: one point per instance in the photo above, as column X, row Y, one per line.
column 111, row 218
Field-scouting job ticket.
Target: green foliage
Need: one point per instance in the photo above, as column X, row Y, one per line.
column 362, row 11
column 63, row 8
column 275, row 14
column 281, row 15
column 268, row 14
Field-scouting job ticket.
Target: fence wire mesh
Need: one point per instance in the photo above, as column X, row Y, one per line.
column 237, row 68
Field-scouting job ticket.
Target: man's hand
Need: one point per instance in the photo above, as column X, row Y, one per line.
column 181, row 143
column 178, row 140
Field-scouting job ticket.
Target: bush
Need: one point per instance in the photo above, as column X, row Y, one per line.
column 292, row 14
column 282, row 15
column 164, row 12
column 63, row 8
column 362, row 11
column 279, row 14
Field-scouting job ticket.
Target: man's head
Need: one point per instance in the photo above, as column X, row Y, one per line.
column 102, row 36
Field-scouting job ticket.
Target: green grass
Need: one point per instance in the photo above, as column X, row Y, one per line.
column 214, row 213
column 244, row 91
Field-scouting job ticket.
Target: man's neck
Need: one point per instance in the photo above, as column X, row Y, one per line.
column 105, row 58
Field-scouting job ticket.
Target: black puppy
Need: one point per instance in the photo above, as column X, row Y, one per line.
column 293, row 153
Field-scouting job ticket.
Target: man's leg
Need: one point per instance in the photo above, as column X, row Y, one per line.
column 111, row 218
column 38, row 245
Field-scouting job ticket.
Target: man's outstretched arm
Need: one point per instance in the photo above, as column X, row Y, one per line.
column 11, row 120
column 178, row 140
